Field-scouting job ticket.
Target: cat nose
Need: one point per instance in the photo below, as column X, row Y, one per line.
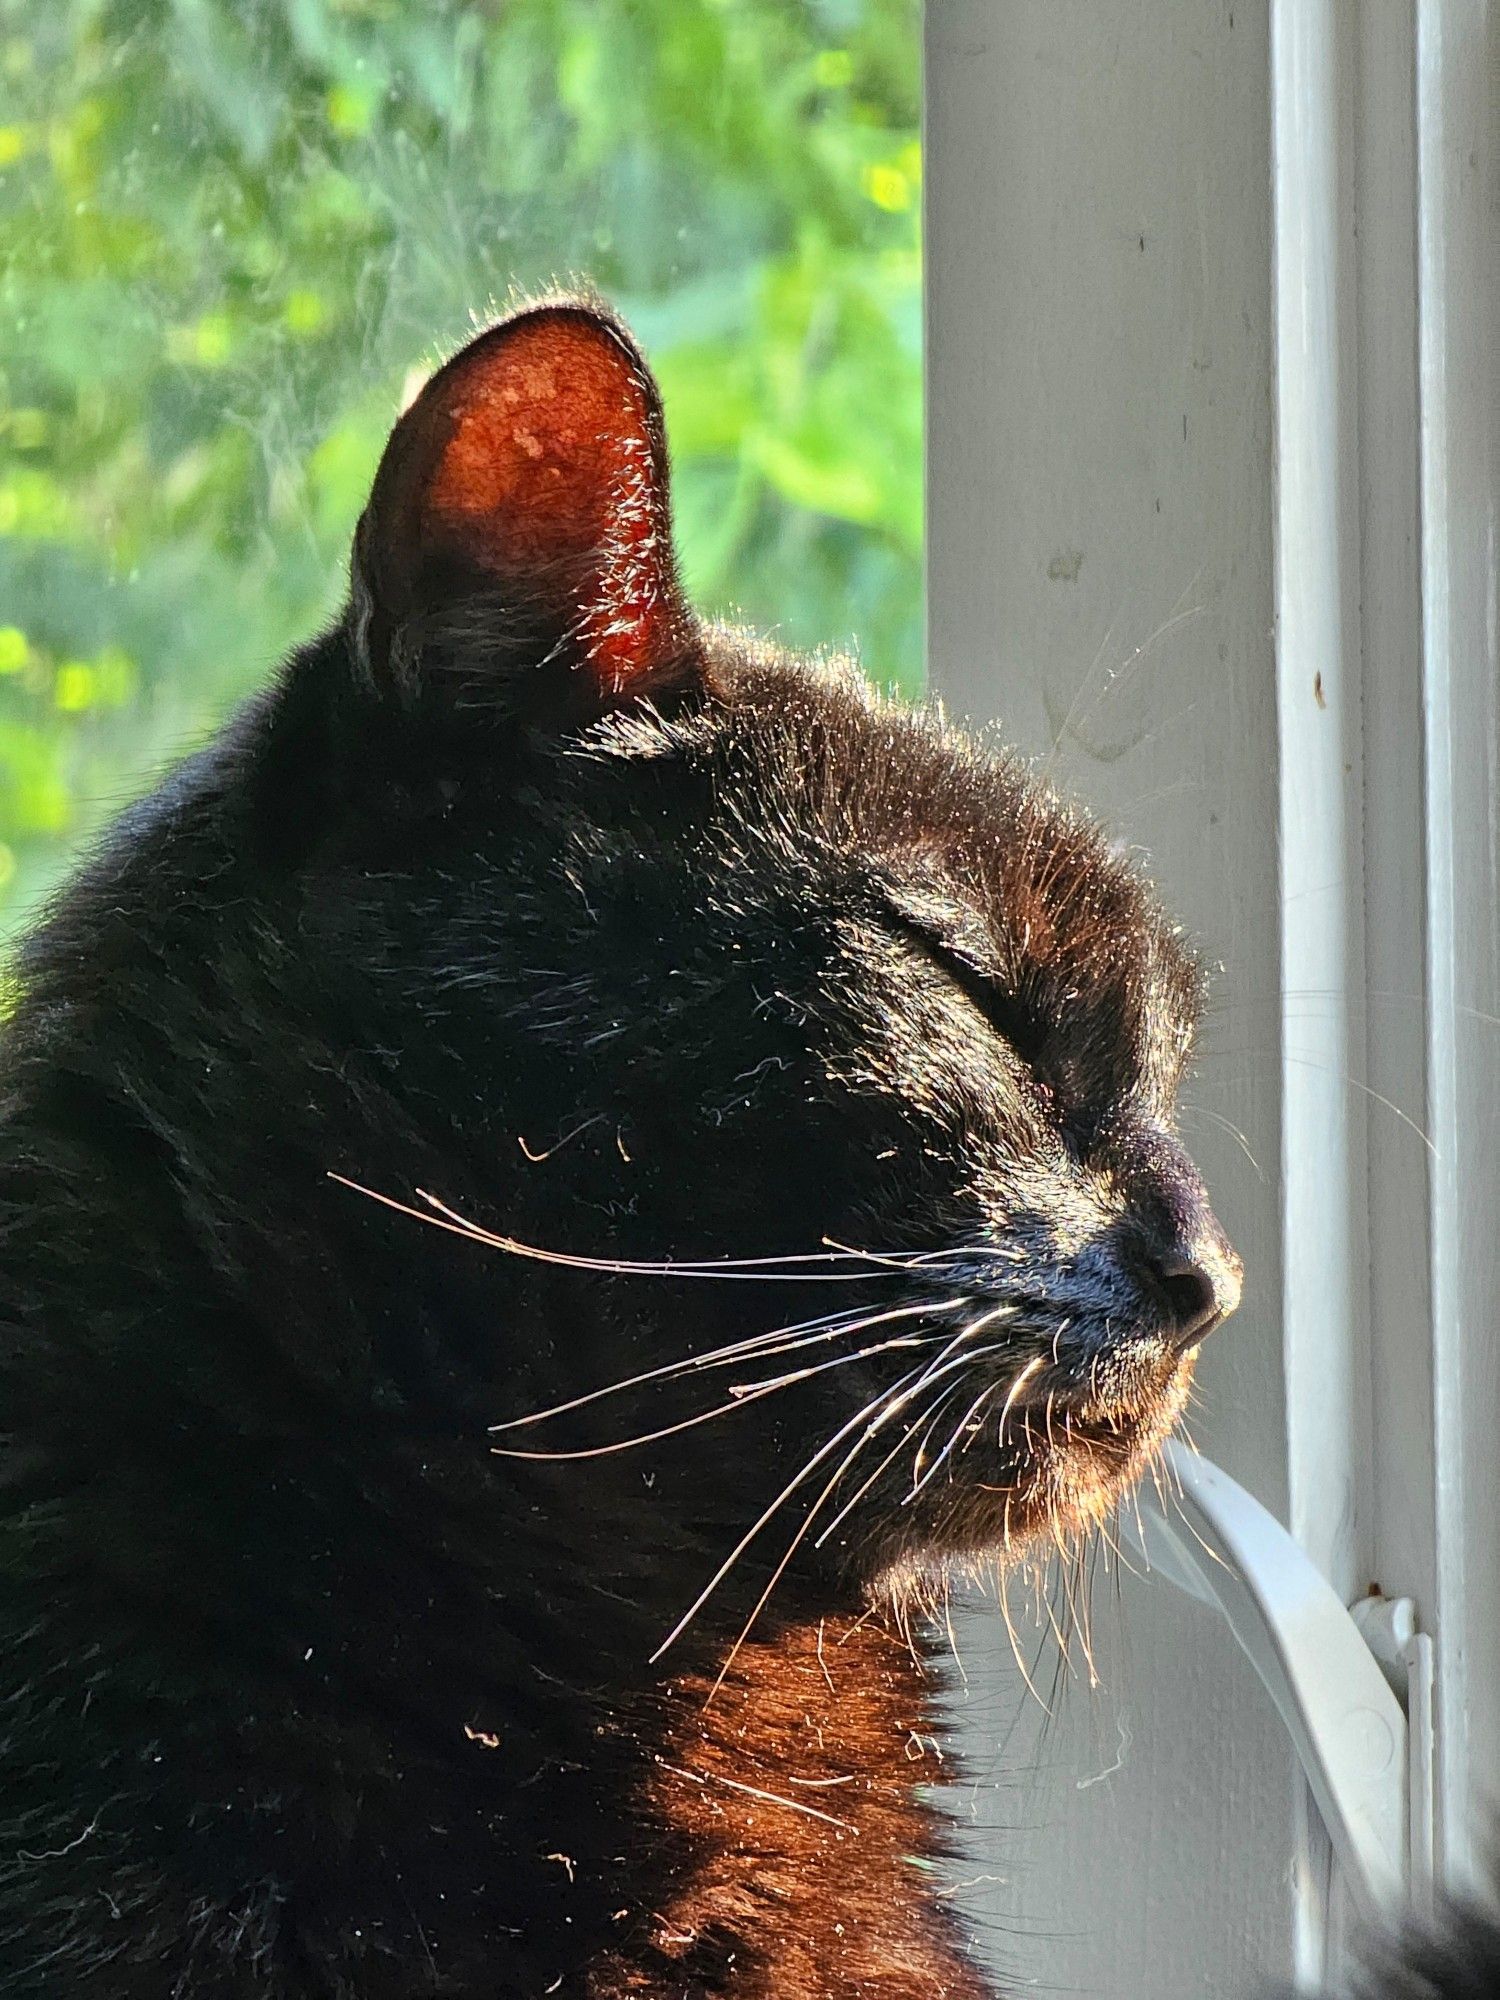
column 1199, row 1285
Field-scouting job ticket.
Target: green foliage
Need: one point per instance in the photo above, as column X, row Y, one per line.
column 232, row 229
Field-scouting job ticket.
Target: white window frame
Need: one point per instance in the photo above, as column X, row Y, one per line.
column 1379, row 281
column 1386, row 270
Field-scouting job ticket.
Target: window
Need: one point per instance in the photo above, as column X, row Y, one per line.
column 1212, row 463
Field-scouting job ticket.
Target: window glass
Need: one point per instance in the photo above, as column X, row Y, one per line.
column 231, row 232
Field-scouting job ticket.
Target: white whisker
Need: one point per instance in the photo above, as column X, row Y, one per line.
column 1015, row 1389
column 884, row 1405
column 931, row 1373
column 864, row 1486
column 928, row 1417
column 743, row 1389
column 740, row 1398
column 756, row 1270
column 961, row 1427
column 791, row 1549
column 980, row 1354
column 780, row 1340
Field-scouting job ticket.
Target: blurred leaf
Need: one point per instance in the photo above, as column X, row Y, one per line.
column 230, row 229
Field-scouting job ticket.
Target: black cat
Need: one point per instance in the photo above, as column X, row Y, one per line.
column 814, row 1071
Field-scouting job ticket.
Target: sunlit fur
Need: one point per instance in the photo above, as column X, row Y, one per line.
column 334, row 1664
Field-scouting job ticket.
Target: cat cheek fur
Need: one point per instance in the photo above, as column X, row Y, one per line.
column 396, row 1605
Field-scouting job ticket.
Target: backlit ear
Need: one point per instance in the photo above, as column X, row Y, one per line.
column 530, row 474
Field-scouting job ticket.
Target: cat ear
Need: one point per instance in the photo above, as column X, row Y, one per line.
column 526, row 489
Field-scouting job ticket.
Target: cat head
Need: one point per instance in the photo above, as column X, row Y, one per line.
column 845, row 1047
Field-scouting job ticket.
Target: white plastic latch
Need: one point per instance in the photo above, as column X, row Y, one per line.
column 1338, row 1679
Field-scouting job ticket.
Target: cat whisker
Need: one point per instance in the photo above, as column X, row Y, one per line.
column 755, row 1269
column 862, row 1489
column 744, row 1389
column 966, row 1332
column 914, row 1260
column 974, row 1326
column 883, row 1406
column 948, row 1627
column 973, row 1425
column 899, row 1395
column 929, row 1417
column 1112, row 1542
column 1351, row 1082
column 1116, row 677
column 933, row 1372
column 875, row 1413
column 1225, row 1125
column 1016, row 1387
column 1212, row 1553
column 1064, row 1667
column 1187, row 1437
column 780, row 1340
column 1045, row 1607
column 740, row 1397
column 1003, row 1576
column 865, row 1487
column 1072, row 1575
column 791, row 1549
column 960, row 1429
column 748, row 1270
column 937, row 1463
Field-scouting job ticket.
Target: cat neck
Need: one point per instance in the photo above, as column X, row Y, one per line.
column 791, row 1786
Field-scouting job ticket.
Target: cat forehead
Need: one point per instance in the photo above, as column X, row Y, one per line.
column 810, row 748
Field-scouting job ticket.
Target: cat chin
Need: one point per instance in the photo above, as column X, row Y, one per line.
column 1000, row 1514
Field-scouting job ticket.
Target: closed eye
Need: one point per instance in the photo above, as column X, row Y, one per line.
column 1005, row 1014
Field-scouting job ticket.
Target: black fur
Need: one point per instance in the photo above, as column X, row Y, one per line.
column 1455, row 1958
column 623, row 936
